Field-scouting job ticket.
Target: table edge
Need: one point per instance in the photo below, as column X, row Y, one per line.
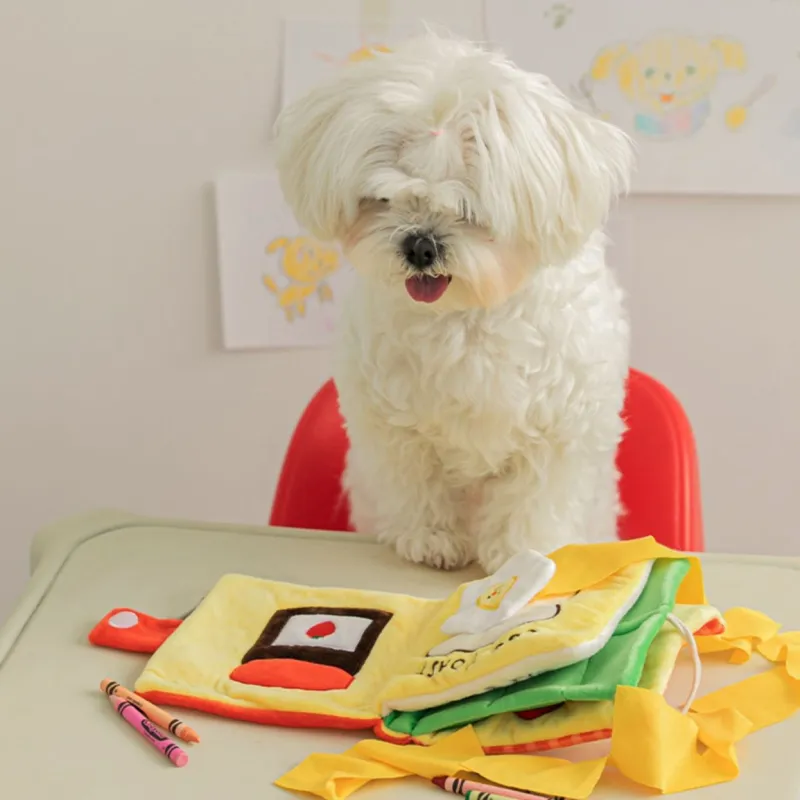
column 54, row 544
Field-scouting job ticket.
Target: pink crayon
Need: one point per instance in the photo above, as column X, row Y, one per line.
column 139, row 721
column 466, row 788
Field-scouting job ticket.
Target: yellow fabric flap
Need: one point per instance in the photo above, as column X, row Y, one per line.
column 745, row 629
column 579, row 566
column 783, row 648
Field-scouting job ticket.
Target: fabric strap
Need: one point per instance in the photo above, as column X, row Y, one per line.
column 697, row 666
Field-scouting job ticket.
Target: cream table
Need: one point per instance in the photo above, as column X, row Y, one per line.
column 59, row 739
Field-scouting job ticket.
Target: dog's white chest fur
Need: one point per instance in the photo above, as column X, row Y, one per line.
column 532, row 388
column 463, row 383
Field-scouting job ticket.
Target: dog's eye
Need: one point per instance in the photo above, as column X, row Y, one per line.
column 372, row 202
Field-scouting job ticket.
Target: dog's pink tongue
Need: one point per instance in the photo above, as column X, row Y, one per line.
column 427, row 288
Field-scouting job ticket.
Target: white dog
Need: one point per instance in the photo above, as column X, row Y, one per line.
column 485, row 349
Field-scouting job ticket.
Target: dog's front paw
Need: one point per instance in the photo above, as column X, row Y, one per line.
column 493, row 552
column 439, row 549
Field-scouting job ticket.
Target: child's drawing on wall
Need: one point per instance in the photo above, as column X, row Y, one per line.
column 306, row 264
column 312, row 48
column 279, row 286
column 669, row 80
column 709, row 90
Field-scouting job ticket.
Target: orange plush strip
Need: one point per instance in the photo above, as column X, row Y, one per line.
column 550, row 744
column 262, row 716
column 289, row 673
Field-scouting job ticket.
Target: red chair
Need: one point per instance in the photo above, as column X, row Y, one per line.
column 659, row 485
column 660, row 475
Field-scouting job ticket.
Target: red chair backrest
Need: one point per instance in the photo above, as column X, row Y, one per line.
column 309, row 492
column 659, row 471
column 659, row 484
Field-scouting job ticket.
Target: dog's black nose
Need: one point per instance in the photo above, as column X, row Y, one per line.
column 420, row 250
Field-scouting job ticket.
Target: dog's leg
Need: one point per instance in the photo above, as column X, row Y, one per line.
column 399, row 493
column 545, row 507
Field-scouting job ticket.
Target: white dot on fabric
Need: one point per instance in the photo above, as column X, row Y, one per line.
column 124, row 619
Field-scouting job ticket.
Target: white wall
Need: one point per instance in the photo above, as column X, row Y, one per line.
column 714, row 286
column 114, row 388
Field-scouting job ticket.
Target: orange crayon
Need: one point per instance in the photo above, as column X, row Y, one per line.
column 155, row 714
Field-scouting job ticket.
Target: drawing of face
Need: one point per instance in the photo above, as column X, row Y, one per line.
column 667, row 72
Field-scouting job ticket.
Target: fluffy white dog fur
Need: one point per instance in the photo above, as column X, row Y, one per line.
column 485, row 420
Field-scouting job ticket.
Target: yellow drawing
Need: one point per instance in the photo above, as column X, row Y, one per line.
column 669, row 80
column 364, row 53
column 307, row 264
column 737, row 114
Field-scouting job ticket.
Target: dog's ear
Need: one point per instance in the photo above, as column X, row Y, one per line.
column 570, row 167
column 316, row 166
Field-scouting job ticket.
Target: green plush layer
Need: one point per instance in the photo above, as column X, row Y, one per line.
column 619, row 663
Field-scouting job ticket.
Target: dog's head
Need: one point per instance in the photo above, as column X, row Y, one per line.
column 668, row 71
column 445, row 169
